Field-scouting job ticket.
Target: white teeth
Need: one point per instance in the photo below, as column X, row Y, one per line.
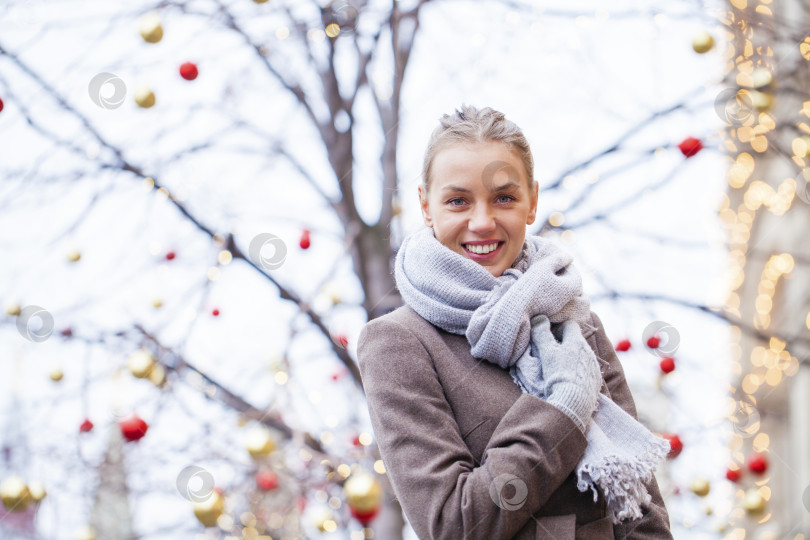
column 481, row 250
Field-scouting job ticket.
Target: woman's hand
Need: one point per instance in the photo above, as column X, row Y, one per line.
column 570, row 369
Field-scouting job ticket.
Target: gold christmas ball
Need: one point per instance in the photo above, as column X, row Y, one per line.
column 762, row 101
column 363, row 492
column 209, row 510
column 37, row 490
column 141, row 363
column 157, row 375
column 761, row 77
column 56, row 374
column 74, row 255
column 13, row 309
column 323, row 519
column 144, row 97
column 275, row 361
column 702, row 42
column 700, row 487
column 332, row 291
column 157, row 302
column 804, row 48
column 260, row 1
column 753, row 502
column 806, row 140
column 150, row 28
column 86, row 533
column 14, row 494
column 260, row 442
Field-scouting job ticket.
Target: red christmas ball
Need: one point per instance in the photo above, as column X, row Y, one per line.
column 86, row 426
column 1, row 105
column 690, row 146
column 67, row 332
column 170, row 256
column 675, row 444
column 356, row 441
column 667, row 364
column 364, row 517
column 188, row 71
column 653, row 342
column 733, row 474
column 304, row 242
column 757, row 463
column 133, row 427
column 215, row 312
column 266, row 480
column 623, row 345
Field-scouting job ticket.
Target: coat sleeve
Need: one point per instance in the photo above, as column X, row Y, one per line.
column 654, row 523
column 443, row 494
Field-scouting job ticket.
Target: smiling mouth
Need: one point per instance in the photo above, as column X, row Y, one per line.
column 482, row 249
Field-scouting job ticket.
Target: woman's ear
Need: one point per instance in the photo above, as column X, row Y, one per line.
column 533, row 205
column 423, row 204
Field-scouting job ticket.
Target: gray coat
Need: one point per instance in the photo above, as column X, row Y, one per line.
column 452, row 429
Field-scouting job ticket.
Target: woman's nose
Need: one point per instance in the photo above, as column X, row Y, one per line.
column 482, row 219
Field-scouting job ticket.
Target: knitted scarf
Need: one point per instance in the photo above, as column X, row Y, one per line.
column 460, row 296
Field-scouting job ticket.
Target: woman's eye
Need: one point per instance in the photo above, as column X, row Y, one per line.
column 457, row 201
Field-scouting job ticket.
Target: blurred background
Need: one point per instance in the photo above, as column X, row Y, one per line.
column 200, row 202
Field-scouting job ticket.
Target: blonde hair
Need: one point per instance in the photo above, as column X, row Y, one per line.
column 472, row 125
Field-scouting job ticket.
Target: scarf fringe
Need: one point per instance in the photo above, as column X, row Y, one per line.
column 618, row 476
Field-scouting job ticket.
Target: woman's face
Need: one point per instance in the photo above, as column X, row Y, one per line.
column 479, row 199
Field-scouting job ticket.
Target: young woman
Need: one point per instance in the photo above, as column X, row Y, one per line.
column 499, row 405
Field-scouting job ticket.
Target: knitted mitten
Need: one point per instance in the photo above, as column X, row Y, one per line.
column 570, row 370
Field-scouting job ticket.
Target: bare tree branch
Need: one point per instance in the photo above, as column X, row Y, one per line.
column 230, row 242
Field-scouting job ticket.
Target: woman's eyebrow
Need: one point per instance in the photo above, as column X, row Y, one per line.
column 510, row 185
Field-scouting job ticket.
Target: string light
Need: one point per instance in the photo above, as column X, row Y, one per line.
column 751, row 64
